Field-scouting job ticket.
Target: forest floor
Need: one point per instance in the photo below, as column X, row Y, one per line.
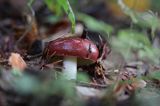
column 126, row 73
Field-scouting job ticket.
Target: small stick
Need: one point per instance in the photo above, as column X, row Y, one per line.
column 30, row 20
column 129, row 66
column 86, row 84
column 29, row 57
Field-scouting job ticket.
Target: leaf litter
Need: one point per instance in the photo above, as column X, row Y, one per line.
column 113, row 82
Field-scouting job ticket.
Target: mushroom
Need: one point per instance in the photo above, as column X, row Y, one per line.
column 100, row 41
column 71, row 49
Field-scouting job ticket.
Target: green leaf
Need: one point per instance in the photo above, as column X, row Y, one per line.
column 82, row 77
column 50, row 4
column 137, row 36
column 63, row 86
column 30, row 2
column 26, row 84
column 54, row 6
column 16, row 72
column 155, row 75
column 150, row 53
column 155, row 5
column 128, row 11
column 52, row 19
column 148, row 96
column 146, row 19
column 132, row 40
column 94, row 24
column 68, row 10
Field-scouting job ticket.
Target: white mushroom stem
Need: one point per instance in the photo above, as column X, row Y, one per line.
column 70, row 67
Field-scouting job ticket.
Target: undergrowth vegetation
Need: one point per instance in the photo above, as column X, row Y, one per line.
column 135, row 42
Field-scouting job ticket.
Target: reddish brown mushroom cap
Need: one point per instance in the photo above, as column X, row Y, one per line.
column 73, row 46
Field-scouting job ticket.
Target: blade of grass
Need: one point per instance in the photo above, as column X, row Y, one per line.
column 56, row 5
column 95, row 24
column 68, row 10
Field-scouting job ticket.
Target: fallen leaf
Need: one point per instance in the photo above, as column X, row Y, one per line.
column 17, row 62
column 124, row 90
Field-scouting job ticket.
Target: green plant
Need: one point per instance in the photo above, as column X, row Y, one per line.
column 94, row 24
column 56, row 5
column 128, row 41
column 146, row 19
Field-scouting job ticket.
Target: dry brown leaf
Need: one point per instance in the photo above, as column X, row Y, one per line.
column 131, row 87
column 33, row 33
column 17, row 62
column 27, row 34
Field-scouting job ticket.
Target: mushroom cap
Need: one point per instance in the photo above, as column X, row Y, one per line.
column 100, row 41
column 73, row 46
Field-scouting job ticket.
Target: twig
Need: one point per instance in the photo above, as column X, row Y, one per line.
column 29, row 27
column 129, row 66
column 3, row 61
column 34, row 56
column 86, row 84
